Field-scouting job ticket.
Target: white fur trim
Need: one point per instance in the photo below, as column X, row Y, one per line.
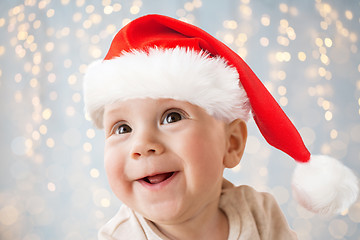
column 178, row 73
column 324, row 185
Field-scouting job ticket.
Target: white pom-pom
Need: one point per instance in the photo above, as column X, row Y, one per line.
column 324, row 185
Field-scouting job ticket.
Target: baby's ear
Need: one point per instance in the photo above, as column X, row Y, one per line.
column 236, row 140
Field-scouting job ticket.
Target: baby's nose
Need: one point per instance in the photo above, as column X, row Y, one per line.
column 147, row 145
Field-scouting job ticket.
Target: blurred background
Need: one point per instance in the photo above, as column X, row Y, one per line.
column 52, row 181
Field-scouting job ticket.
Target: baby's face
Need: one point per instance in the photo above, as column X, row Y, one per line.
column 164, row 158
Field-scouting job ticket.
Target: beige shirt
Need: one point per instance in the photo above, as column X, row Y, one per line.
column 252, row 215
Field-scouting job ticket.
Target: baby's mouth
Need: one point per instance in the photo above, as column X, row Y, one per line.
column 158, row 178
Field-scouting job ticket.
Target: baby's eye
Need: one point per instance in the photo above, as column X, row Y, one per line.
column 172, row 116
column 121, row 128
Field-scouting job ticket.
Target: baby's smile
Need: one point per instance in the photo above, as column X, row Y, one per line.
column 157, row 181
column 158, row 178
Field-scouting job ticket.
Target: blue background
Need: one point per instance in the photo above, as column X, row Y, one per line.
column 53, row 185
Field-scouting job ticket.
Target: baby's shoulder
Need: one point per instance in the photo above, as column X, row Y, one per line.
column 123, row 224
column 247, row 196
column 255, row 213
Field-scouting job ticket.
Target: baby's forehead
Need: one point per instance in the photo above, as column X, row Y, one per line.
column 149, row 104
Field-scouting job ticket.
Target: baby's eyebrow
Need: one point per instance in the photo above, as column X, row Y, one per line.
column 111, row 117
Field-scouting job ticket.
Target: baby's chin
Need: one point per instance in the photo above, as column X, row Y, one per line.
column 164, row 213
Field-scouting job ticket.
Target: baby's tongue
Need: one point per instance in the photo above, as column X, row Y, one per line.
column 158, row 178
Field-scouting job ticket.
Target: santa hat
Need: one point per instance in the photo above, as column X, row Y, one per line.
column 156, row 56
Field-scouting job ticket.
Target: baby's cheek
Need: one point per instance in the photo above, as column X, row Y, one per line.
column 114, row 165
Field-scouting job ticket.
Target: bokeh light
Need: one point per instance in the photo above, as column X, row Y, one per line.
column 53, row 184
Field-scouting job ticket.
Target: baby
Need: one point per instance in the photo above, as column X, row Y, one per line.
column 174, row 102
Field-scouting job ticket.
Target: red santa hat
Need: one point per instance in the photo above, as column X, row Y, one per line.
column 156, row 56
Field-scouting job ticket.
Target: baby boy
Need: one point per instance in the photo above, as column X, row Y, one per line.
column 174, row 102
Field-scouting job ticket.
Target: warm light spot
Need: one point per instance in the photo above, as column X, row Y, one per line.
column 37, row 58
column 301, row 56
column 89, row 9
column 328, row 42
column 338, row 228
column 50, row 142
column 80, row 3
column 34, row 82
column 35, row 135
column 283, row 101
column 229, row 38
column 283, row 56
column 2, row 22
column 9, row 215
column 76, row 97
column 105, row 202
column 322, row 72
column 2, row 50
column 264, row 41
column 242, row 37
column 348, row 14
column 51, row 78
column 328, row 115
column 65, row 2
column 134, row 10
column 18, row 96
column 324, row 25
column 322, row 50
column 283, row 40
column 95, row 52
column 70, row 111
column 87, row 24
column 116, row 7
column 50, row 13
column 108, row 9
column 87, row 147
column 281, row 75
column 46, row 114
column 326, row 105
column 324, row 59
column 318, row 42
column 333, row 134
column 197, row 3
column 43, row 129
column 242, row 52
column 282, row 90
column 245, row 11
column 22, row 35
column 283, row 7
column 328, row 75
column 326, row 8
column 77, row 17
column 111, row 28
column 188, row 6
column 36, row 24
column 284, row 23
column 353, row 37
column 125, row 21
column 51, row 186
column 265, row 20
column 94, row 173
column 35, row 69
column 291, row 33
column 230, row 24
column 72, row 79
column 106, row 2
column 90, row 133
column 67, row 63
